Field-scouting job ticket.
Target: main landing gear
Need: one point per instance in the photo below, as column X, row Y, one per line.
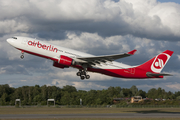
column 22, row 56
column 83, row 74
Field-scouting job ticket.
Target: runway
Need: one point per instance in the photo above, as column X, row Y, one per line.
column 113, row 115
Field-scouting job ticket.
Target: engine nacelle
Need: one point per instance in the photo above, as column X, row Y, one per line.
column 66, row 61
column 55, row 64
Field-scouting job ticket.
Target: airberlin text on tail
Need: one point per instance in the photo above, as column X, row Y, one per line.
column 157, row 63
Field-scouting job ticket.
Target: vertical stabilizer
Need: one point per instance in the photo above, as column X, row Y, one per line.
column 157, row 63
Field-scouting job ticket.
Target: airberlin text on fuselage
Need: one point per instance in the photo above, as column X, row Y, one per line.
column 45, row 47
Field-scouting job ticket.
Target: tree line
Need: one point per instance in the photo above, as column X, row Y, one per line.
column 69, row 95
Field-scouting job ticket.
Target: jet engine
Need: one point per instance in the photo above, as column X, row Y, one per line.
column 55, row 64
column 64, row 62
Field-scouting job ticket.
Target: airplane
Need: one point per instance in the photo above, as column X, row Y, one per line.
column 64, row 58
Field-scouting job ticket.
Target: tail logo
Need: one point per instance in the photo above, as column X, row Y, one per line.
column 159, row 62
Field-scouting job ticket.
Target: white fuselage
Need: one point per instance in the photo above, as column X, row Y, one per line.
column 43, row 48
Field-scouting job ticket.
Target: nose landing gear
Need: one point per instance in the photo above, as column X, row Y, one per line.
column 22, row 56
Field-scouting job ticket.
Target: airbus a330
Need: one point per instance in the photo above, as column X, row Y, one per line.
column 64, row 57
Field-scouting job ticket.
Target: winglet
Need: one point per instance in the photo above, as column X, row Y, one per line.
column 132, row 52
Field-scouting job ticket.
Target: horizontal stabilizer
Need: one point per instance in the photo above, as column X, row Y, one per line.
column 149, row 74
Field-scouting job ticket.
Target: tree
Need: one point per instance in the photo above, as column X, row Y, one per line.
column 36, row 90
column 44, row 90
column 170, row 95
column 4, row 98
column 66, row 98
column 98, row 101
column 91, row 97
column 69, row 88
column 142, row 93
column 37, row 98
column 69, row 95
column 152, row 93
column 127, row 92
column 134, row 90
column 117, row 91
column 6, row 89
column 81, row 94
column 177, row 94
column 121, row 94
column 110, row 91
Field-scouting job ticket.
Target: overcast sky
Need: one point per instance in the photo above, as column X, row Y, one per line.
column 99, row 27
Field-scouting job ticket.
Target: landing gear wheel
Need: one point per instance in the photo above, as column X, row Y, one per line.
column 87, row 76
column 83, row 73
column 78, row 74
column 82, row 77
column 22, row 56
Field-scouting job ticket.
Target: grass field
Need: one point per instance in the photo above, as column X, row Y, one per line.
column 51, row 110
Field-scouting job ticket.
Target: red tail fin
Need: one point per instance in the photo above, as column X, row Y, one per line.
column 157, row 63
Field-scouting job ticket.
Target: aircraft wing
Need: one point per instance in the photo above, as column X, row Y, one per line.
column 105, row 59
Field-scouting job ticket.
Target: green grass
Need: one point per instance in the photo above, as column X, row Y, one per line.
column 50, row 110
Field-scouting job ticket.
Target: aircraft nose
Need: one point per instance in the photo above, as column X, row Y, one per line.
column 10, row 40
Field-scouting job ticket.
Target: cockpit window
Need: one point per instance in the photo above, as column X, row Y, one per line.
column 14, row 37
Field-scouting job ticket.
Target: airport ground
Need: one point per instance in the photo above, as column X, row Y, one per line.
column 53, row 110
column 50, row 113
